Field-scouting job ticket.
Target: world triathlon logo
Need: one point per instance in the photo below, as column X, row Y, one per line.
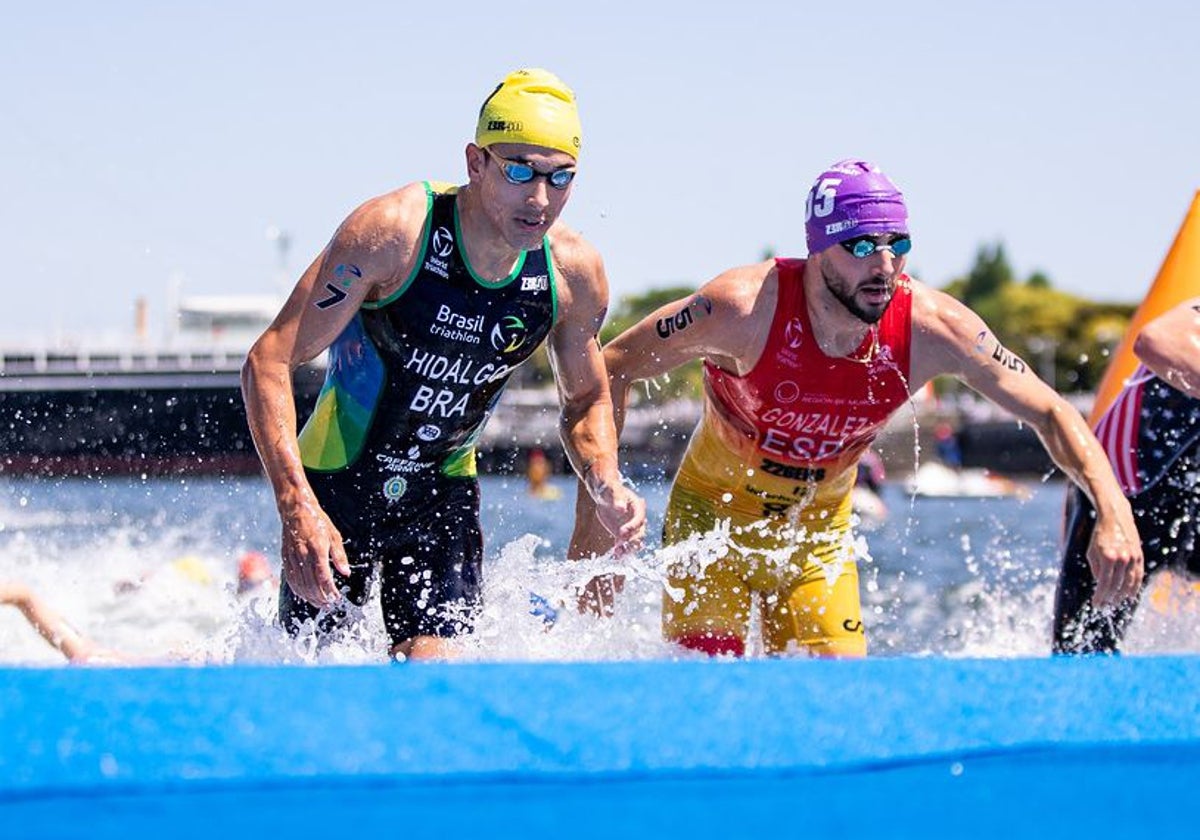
column 443, row 242
column 793, row 334
column 509, row 334
column 394, row 488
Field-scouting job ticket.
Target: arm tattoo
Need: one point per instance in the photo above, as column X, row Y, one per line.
column 999, row 353
column 345, row 275
column 696, row 308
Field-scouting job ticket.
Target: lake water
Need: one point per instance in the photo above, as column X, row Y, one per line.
column 149, row 567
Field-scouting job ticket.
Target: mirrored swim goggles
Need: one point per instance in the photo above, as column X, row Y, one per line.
column 518, row 172
column 864, row 246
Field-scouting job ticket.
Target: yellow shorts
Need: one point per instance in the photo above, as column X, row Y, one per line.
column 740, row 538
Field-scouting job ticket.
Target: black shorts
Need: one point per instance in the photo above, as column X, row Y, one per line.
column 1166, row 521
column 426, row 545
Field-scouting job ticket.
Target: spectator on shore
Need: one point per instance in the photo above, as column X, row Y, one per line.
column 948, row 450
column 537, row 474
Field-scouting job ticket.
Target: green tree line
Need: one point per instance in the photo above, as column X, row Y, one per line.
column 1066, row 338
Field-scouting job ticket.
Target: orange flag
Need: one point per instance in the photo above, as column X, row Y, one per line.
column 1177, row 280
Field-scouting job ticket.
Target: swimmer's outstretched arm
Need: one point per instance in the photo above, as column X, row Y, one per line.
column 587, row 427
column 1170, row 346
column 50, row 625
column 948, row 338
column 368, row 257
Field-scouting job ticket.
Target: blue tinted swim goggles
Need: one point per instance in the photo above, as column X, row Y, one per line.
column 518, row 172
column 864, row 246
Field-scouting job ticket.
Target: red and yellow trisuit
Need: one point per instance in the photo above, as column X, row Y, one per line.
column 769, row 471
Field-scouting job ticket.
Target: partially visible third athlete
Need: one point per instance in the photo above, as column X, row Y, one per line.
column 1151, row 433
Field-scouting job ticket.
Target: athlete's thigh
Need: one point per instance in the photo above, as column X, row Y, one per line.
column 294, row 611
column 1075, row 580
column 706, row 598
column 1080, row 627
column 1167, row 518
column 432, row 569
column 818, row 610
column 712, row 604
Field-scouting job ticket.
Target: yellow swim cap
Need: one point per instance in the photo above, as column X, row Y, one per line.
column 193, row 568
column 534, row 107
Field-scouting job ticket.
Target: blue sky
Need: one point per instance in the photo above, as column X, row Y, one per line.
column 152, row 145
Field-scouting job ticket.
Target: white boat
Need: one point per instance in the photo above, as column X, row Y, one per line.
column 936, row 480
column 870, row 509
column 141, row 406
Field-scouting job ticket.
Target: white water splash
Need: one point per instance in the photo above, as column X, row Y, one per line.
column 159, row 584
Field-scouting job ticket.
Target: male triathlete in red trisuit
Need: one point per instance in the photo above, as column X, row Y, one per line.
column 804, row 362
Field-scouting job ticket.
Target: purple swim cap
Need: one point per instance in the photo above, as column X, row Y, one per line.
column 849, row 199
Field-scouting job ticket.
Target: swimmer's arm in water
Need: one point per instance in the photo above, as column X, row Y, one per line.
column 949, row 338
column 50, row 625
column 586, row 424
column 369, row 257
column 1170, row 346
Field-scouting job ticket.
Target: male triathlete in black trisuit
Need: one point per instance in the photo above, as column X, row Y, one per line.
column 427, row 298
column 1151, row 433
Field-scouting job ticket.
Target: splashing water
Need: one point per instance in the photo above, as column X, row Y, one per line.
column 149, row 567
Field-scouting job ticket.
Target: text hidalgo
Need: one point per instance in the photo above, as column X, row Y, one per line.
column 445, row 402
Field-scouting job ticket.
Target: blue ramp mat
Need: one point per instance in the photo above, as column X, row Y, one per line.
column 883, row 747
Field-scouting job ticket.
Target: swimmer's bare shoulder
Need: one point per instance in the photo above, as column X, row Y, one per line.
column 742, row 303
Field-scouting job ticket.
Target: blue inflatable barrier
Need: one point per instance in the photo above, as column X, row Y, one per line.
column 874, row 748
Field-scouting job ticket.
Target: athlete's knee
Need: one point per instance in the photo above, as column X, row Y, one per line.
column 819, row 644
column 713, row 643
column 298, row 617
column 425, row 649
column 293, row 612
column 1087, row 631
column 851, row 647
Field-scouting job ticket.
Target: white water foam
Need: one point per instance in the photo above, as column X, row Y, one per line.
column 953, row 580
